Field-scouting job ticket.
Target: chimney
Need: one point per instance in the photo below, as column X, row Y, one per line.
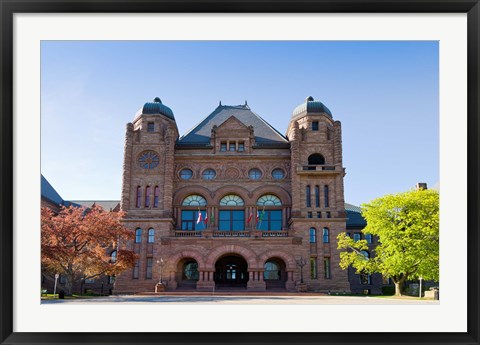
column 421, row 186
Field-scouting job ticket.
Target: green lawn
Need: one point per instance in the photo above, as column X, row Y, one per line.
column 74, row 296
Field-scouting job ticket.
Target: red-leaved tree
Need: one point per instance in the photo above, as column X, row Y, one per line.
column 78, row 243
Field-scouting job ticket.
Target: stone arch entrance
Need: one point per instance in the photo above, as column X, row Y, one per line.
column 187, row 273
column 231, row 271
column 275, row 273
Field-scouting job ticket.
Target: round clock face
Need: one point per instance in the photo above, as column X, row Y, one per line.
column 148, row 160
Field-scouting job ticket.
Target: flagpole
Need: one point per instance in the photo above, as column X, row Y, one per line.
column 262, row 215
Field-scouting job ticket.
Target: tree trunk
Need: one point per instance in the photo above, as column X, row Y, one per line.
column 69, row 283
column 398, row 288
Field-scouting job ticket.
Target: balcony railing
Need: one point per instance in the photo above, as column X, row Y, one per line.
column 318, row 167
column 231, row 234
column 188, row 233
column 228, row 234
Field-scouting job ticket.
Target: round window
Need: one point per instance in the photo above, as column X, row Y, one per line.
column 278, row 174
column 209, row 174
column 148, row 160
column 255, row 174
column 186, row 174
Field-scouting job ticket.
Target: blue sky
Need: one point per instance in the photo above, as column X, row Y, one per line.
column 384, row 93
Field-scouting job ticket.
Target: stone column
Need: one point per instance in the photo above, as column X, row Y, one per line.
column 207, row 284
column 257, row 283
column 290, row 284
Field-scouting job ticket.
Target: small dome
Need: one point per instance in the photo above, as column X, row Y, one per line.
column 311, row 106
column 156, row 108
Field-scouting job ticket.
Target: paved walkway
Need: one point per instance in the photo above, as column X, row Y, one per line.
column 278, row 299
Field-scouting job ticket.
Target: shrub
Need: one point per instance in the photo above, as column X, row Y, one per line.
column 388, row 290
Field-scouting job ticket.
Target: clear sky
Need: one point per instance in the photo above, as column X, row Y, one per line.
column 384, row 93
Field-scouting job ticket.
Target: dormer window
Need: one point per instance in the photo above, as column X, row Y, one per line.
column 150, row 127
column 232, row 146
column 315, row 126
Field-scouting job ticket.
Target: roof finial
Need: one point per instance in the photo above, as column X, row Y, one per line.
column 246, row 103
column 309, row 99
column 157, row 100
column 220, row 103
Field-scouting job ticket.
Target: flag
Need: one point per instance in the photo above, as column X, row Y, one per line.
column 199, row 219
column 250, row 218
column 260, row 216
column 212, row 218
column 206, row 218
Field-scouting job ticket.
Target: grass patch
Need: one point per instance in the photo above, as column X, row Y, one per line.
column 74, row 296
column 404, row 297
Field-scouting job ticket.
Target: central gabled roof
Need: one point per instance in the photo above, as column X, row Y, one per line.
column 263, row 131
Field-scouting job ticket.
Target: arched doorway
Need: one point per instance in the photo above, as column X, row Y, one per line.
column 231, row 271
column 316, row 159
column 274, row 274
column 187, row 273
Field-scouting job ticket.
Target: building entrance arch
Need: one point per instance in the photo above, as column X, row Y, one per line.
column 187, row 273
column 231, row 270
column 275, row 274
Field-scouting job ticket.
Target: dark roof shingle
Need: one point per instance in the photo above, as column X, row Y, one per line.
column 49, row 193
column 263, row 131
column 354, row 217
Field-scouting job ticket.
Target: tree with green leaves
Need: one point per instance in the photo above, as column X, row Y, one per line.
column 407, row 228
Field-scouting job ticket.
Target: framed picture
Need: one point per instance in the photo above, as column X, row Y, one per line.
column 28, row 27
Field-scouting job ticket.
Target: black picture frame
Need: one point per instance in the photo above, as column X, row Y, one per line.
column 10, row 7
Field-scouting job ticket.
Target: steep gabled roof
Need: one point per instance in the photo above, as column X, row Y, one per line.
column 263, row 131
column 354, row 217
column 107, row 205
column 49, row 193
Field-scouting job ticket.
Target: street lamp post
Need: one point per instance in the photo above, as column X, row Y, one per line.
column 161, row 263
column 55, row 286
column 160, row 285
column 300, row 263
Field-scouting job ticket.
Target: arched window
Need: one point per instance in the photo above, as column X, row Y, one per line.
column 231, row 219
column 151, row 235
column 190, row 216
column 365, row 254
column 272, row 271
column 155, row 196
column 269, row 219
column 138, row 235
column 269, row 200
column 194, row 200
column 308, row 196
column 316, row 159
column 147, row 196
column 326, row 235
column 190, row 270
column 232, row 200
column 139, row 197
column 113, row 256
column 313, row 235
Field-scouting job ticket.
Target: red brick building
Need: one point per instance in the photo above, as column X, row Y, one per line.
column 233, row 203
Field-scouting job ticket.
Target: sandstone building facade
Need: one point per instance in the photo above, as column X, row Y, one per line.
column 233, row 203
